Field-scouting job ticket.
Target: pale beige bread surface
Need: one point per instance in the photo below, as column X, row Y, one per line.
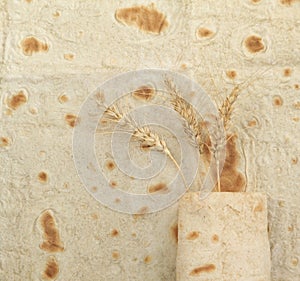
column 223, row 237
column 54, row 53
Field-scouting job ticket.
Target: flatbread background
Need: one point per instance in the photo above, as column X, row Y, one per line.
column 223, row 237
column 76, row 45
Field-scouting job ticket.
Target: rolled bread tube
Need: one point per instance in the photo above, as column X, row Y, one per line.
column 223, row 237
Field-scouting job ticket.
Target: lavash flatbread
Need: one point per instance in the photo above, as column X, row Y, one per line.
column 84, row 40
column 223, row 237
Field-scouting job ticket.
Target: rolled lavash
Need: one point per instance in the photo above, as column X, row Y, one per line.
column 223, row 237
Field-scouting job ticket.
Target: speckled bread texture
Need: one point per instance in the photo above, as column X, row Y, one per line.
column 53, row 54
column 223, row 237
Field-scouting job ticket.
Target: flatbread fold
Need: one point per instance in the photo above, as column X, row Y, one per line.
column 223, row 237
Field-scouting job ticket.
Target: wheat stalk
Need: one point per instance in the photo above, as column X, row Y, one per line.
column 194, row 126
column 226, row 108
column 144, row 135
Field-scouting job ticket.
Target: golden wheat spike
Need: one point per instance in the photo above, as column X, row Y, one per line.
column 226, row 108
column 193, row 126
column 144, row 135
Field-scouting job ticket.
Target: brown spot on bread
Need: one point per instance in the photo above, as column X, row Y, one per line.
column 277, row 101
column 115, row 255
column 17, row 100
column 231, row 180
column 144, row 93
column 174, row 232
column 259, row 207
column 114, row 233
column 147, row 259
column 252, row 123
column 110, row 165
column 95, row 216
column 32, row 45
column 295, row 261
column 215, row 238
column 192, row 235
column 56, row 14
column 143, row 210
column 43, row 177
column 94, row 188
column 69, row 57
column 254, row 44
column 8, row 112
column 28, row 1
column 290, row 228
column 113, row 184
column 297, row 105
column 4, row 141
column 117, row 200
column 203, row 269
column 183, row 66
column 295, row 160
column 204, row 32
column 297, row 86
column 287, row 2
column 231, row 74
column 160, row 187
column 296, row 119
column 63, row 98
column 141, row 213
column 71, row 119
column 33, row 110
column 287, row 72
column 256, row 1
column 232, row 155
column 52, row 242
column 146, row 18
column 52, row 269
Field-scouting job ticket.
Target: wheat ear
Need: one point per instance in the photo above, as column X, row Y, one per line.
column 226, row 108
column 144, row 135
column 193, row 127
